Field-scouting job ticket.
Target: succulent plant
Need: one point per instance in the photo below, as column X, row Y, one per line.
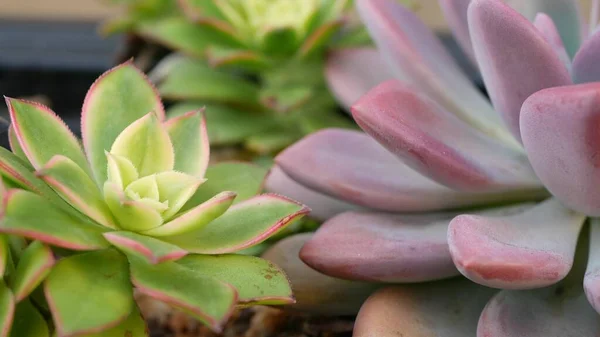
column 257, row 64
column 434, row 146
column 131, row 210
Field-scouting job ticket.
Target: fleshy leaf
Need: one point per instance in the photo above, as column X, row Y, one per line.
column 455, row 12
column 591, row 280
column 74, row 185
column 29, row 215
column 121, row 170
column 189, row 136
column 7, row 309
column 243, row 225
column 118, row 98
column 131, row 214
column 236, row 59
column 33, row 267
column 28, row 322
column 15, row 147
column 244, row 179
column 319, row 38
column 152, row 250
column 256, row 280
column 500, row 36
column 133, row 326
column 195, row 218
column 532, row 249
column 4, row 253
column 448, row 308
column 89, row 292
column 207, row 299
column 176, row 188
column 545, row 25
column 147, row 145
column 437, row 144
column 42, row 134
column 585, row 65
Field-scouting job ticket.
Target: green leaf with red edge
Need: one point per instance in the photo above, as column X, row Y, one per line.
column 7, row 309
column 245, row 179
column 133, row 326
column 154, row 251
column 196, row 9
column 15, row 147
column 89, row 292
column 74, row 185
column 319, row 38
column 42, row 134
column 243, row 225
column 32, row 269
column 256, row 280
column 30, row 215
column 190, row 142
column 195, row 218
column 118, row 98
column 221, row 57
column 29, row 322
column 207, row 299
column 215, row 85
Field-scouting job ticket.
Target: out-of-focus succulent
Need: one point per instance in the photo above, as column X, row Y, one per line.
column 435, row 145
column 131, row 209
column 257, row 64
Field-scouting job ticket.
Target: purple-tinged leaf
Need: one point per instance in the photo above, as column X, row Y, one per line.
column 532, row 249
column 446, row 308
column 514, row 59
column 591, row 280
column 42, row 134
column 33, row 267
column 437, row 144
column 455, row 12
column 322, row 207
column 118, row 98
column 152, row 250
column 545, row 25
column 352, row 72
column 585, row 64
column 189, row 136
column 7, row 310
column 559, row 128
column 416, row 56
column 340, row 163
column 315, row 292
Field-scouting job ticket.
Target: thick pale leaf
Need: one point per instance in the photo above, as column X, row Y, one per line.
column 322, row 207
column 207, row 299
column 33, row 267
column 545, row 25
column 176, row 188
column 189, row 136
column 28, row 322
column 591, row 280
column 558, row 127
column 514, row 59
column 74, row 185
column 243, row 225
column 133, row 326
column 532, row 249
column 118, row 98
column 195, row 218
column 244, row 179
column 340, row 163
column 256, row 280
column 585, row 65
column 42, row 134
column 7, row 310
column 455, row 12
column 152, row 250
column 132, row 215
column 352, row 72
column 89, row 292
column 147, row 145
column 121, row 170
column 448, row 308
column 437, row 144
column 29, row 215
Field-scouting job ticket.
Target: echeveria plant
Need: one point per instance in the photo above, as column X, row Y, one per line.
column 130, row 210
column 257, row 64
column 434, row 144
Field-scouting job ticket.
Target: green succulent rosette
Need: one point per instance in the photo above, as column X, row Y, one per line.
column 135, row 207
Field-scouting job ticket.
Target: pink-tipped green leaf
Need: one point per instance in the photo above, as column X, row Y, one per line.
column 42, row 134
column 591, row 280
column 514, row 59
column 29, row 322
column 545, row 25
column 7, row 310
column 15, row 147
column 455, row 12
column 416, row 56
column 150, row 249
column 205, row 298
column 585, row 65
column 352, row 72
column 196, row 218
column 256, row 280
column 133, row 326
column 33, row 267
column 118, row 98
column 445, row 309
column 89, row 292
column 134, row 215
column 29, row 215
column 189, row 136
column 559, row 127
column 176, row 188
column 532, row 249
column 340, row 163
column 74, row 185
column 437, row 144
column 243, row 225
